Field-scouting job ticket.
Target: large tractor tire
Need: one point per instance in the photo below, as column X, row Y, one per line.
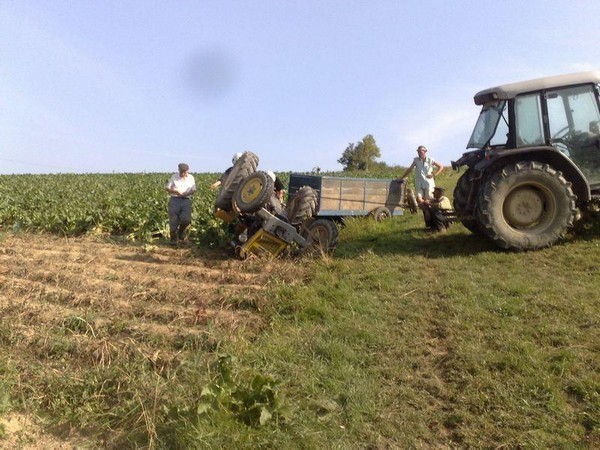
column 302, row 206
column 321, row 235
column 254, row 192
column 244, row 166
column 460, row 203
column 526, row 206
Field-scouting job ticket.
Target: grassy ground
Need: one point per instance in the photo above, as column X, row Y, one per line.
column 406, row 339
column 402, row 339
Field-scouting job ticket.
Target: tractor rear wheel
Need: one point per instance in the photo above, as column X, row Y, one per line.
column 526, row 206
column 302, row 206
column 461, row 203
column 244, row 166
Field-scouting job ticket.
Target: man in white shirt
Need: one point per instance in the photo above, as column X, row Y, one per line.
column 424, row 174
column 181, row 187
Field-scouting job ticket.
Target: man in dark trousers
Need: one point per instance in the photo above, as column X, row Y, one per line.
column 181, row 187
column 435, row 210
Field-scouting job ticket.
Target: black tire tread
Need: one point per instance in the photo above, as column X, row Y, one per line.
column 244, row 166
column 302, row 206
column 460, row 203
column 500, row 232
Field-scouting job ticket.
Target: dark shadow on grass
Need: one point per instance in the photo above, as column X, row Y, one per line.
column 418, row 241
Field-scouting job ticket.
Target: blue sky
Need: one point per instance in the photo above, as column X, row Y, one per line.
column 139, row 86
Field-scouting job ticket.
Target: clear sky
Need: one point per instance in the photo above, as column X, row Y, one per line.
column 141, row 85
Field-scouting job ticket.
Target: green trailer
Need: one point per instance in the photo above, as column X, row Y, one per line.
column 339, row 197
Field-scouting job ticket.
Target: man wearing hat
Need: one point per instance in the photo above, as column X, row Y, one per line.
column 426, row 169
column 181, row 187
column 434, row 210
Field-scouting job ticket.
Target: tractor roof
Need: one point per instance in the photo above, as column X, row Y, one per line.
column 508, row 91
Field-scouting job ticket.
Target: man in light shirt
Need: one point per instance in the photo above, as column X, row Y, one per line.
column 181, row 187
column 426, row 170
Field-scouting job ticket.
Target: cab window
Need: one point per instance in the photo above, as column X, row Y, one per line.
column 528, row 118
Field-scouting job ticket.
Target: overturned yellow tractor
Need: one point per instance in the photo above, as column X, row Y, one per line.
column 262, row 226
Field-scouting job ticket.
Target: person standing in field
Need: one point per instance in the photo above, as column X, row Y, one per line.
column 426, row 170
column 181, row 187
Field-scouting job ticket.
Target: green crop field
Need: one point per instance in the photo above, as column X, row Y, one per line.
column 132, row 205
column 401, row 339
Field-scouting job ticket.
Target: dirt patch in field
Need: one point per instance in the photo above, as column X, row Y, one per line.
column 20, row 431
column 48, row 279
column 68, row 303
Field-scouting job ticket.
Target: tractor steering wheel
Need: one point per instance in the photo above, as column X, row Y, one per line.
column 560, row 135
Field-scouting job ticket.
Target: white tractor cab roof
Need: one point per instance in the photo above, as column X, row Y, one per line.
column 509, row 91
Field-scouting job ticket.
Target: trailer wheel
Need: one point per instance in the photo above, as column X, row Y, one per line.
column 302, row 206
column 321, row 235
column 411, row 199
column 254, row 192
column 380, row 213
column 244, row 166
column 526, row 206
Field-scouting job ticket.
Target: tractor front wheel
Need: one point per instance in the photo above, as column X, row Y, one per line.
column 254, row 192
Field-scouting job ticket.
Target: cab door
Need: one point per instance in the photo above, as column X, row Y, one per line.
column 574, row 124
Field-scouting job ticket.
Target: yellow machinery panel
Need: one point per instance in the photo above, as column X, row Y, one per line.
column 262, row 243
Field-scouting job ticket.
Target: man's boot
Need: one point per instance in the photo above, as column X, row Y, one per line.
column 181, row 234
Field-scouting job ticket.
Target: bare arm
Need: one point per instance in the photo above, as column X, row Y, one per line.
column 439, row 168
column 408, row 171
column 170, row 187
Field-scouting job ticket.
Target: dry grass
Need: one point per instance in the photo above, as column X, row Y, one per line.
column 72, row 307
